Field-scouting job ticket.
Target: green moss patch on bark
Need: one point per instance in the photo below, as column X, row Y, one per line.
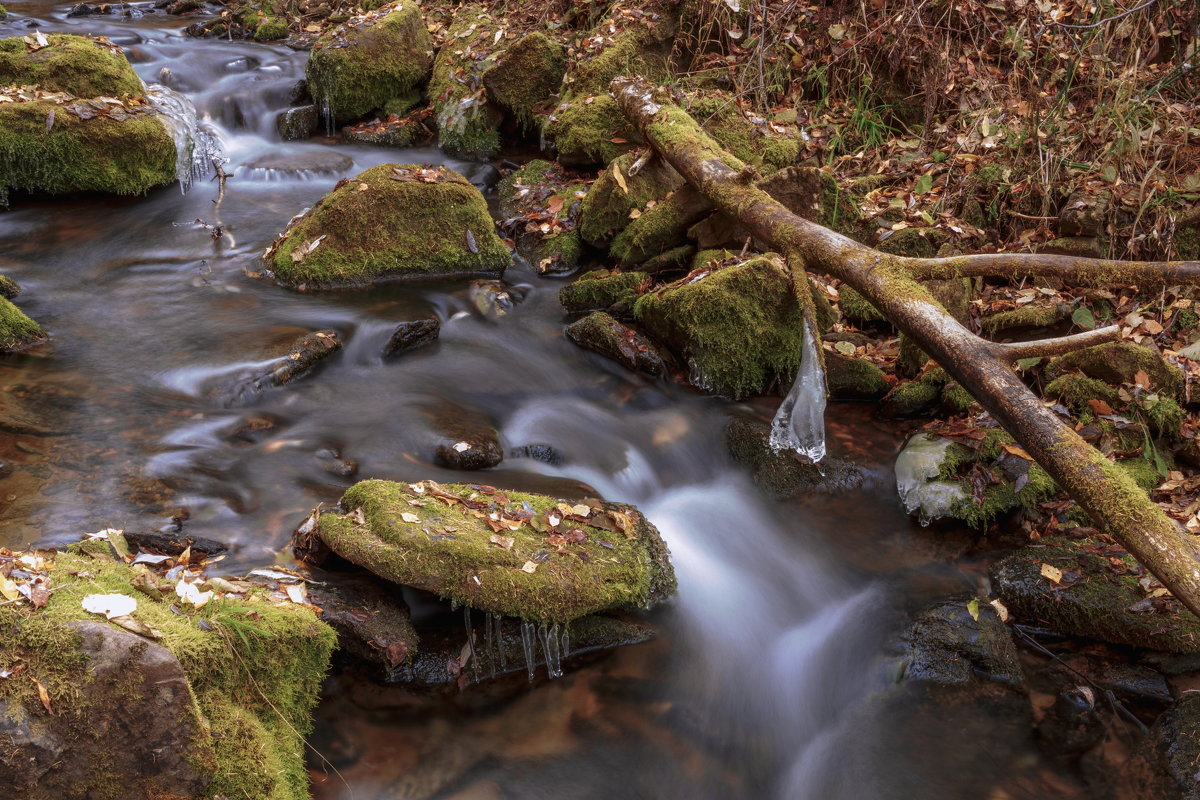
column 255, row 670
column 410, row 221
column 370, row 60
column 534, row 561
column 738, row 327
column 76, row 65
column 102, row 154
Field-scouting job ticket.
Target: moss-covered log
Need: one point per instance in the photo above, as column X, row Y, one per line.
column 891, row 283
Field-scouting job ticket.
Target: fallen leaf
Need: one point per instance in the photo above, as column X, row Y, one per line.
column 136, row 626
column 1141, row 379
column 474, row 248
column 1052, row 573
column 410, row 518
column 1001, row 610
column 297, row 593
column 555, row 204
column 110, row 605
column 8, row 588
column 1017, row 451
column 39, row 595
column 530, row 567
column 1099, row 406
column 973, row 608
column 190, row 593
column 619, row 178
column 44, row 696
column 504, row 541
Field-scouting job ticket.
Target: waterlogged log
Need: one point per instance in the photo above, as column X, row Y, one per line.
column 892, row 284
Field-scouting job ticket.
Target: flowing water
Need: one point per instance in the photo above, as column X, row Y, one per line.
column 773, row 638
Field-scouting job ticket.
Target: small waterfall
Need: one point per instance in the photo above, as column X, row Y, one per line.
column 196, row 142
column 799, row 424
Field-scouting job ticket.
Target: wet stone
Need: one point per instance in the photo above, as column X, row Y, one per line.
column 779, row 473
column 467, row 440
column 371, row 620
column 537, row 452
column 332, row 462
column 297, row 124
column 1073, row 724
column 601, row 333
column 316, row 161
column 411, row 334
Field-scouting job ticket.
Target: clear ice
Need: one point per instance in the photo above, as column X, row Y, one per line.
column 799, row 424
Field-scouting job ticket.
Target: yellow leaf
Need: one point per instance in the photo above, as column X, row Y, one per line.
column 410, row 518
column 973, row 608
column 44, row 696
column 1051, row 572
column 619, row 178
column 9, row 589
column 530, row 567
column 1001, row 610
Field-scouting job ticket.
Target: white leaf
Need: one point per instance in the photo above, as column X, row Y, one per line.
column 190, row 593
column 110, row 605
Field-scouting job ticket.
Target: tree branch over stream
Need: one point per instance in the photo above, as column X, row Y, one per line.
column 984, row 368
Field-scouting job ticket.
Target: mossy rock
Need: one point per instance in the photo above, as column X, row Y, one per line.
column 411, row 221
column 857, row 308
column 913, row 242
column 560, row 564
column 1075, row 391
column 1119, row 362
column 17, row 331
column 370, row 60
column 540, row 190
column 1075, row 246
column 270, row 30
column 1164, row 764
column 254, row 669
column 739, row 328
column 525, row 75
column 125, row 155
column 1098, row 597
column 601, row 289
column 914, row 398
column 777, row 472
column 75, row 65
column 468, row 124
column 604, row 334
column 854, row 378
column 606, row 207
column 719, row 114
column 1031, row 315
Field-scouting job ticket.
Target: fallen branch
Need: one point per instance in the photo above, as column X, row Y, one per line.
column 891, row 283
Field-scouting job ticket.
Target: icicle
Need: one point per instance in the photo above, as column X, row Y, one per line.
column 499, row 622
column 566, row 640
column 550, row 642
column 196, row 143
column 799, row 424
column 489, row 644
column 527, row 642
column 471, row 641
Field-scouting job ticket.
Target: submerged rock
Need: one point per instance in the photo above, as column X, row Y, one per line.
column 411, row 334
column 778, row 472
column 304, row 355
column 854, row 378
column 164, row 714
column 394, row 130
column 1101, row 592
column 738, row 327
column 310, row 161
column 467, row 440
column 373, row 62
column 601, row 333
column 55, row 140
column 514, row 554
column 391, row 221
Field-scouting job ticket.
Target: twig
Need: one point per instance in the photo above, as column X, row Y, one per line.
column 1097, row 24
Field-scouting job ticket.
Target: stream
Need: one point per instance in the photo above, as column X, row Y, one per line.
column 783, row 612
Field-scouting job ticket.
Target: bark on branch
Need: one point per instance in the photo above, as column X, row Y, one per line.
column 891, row 283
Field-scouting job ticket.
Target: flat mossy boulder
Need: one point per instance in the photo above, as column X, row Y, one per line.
column 1119, row 362
column 206, row 702
column 370, row 62
column 391, row 221
column 1095, row 590
column 74, row 65
column 601, row 289
column 526, row 75
column 618, row 191
column 468, row 124
column 738, row 327
column 519, row 555
column 17, row 331
column 854, row 378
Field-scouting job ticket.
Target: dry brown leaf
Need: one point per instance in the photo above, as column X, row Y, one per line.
column 43, row 695
column 503, row 541
column 619, row 178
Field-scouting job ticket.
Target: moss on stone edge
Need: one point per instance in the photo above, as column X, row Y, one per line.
column 1119, row 362
column 600, row 289
column 255, row 674
column 1074, row 390
column 102, row 154
column 17, row 331
column 393, row 229
column 1034, row 315
column 854, row 378
column 605, row 209
column 739, row 328
column 73, row 64
column 468, row 125
column 271, row 29
column 526, row 74
column 387, row 55
column 452, row 552
column 856, row 307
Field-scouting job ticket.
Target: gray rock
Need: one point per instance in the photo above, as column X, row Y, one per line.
column 1164, row 768
column 297, row 124
column 601, row 333
column 411, row 334
column 466, row 440
column 323, row 162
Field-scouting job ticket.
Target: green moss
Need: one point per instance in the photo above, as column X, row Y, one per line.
column 1165, row 417
column 513, row 190
column 1119, row 362
column 387, row 54
column 955, row 399
column 1074, row 390
column 913, row 242
column 255, row 674
column 999, row 498
column 17, row 331
column 599, row 289
column 856, row 307
column 1185, row 319
column 101, row 154
column 780, row 152
column 657, row 230
column 1143, row 473
column 529, row 192
column 853, row 378
column 271, row 29
column 705, row 257
column 8, row 287
column 3, row 12
column 739, row 328
column 606, row 207
column 449, row 550
column 720, row 116
column 526, row 75
column 395, row 228
column 1187, row 243
column 73, row 64
column 913, row 398
column 1033, row 315
column 468, row 126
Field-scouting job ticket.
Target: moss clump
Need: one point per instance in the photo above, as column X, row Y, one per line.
column 602, row 333
column 361, row 65
column 468, row 125
column 856, row 307
column 853, row 378
column 400, row 226
column 558, row 566
column 1165, row 417
column 526, row 75
column 914, row 398
column 8, row 287
column 720, row 116
column 955, row 399
column 1143, row 473
column 271, row 29
column 255, row 670
column 1119, row 362
column 1033, row 315
column 531, row 192
column 1185, row 319
column 1075, row 390
column 739, row 328
column 777, row 472
column 17, row 331
column 606, row 207
column 101, row 154
column 658, row 230
column 705, row 257
column 913, row 242
column 516, row 191
column 1094, row 599
column 1021, row 484
column 600, row 289
column 3, row 12
column 73, row 64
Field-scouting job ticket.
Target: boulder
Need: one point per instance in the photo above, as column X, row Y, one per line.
column 74, row 65
column 17, row 331
column 525, row 75
column 854, row 378
column 737, row 327
column 777, row 472
column 298, row 124
column 371, row 620
column 519, row 555
column 1119, row 362
column 466, row 440
column 1095, row 590
column 468, row 124
column 599, row 290
column 409, row 221
column 302, row 357
column 395, row 130
column 411, row 334
column 619, row 190
column 372, row 62
column 540, row 207
column 1164, row 767
column 601, row 333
